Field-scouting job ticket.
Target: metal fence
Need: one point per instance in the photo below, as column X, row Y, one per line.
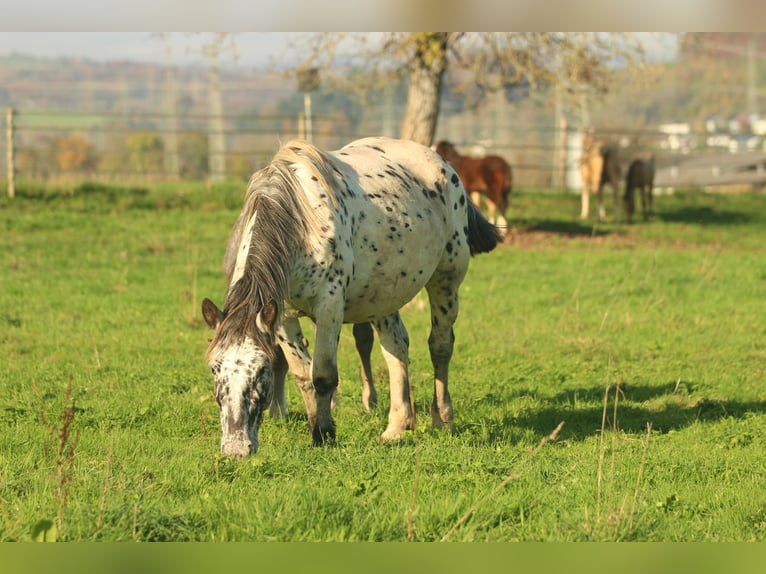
column 64, row 147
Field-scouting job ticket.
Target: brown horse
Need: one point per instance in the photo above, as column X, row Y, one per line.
column 640, row 176
column 490, row 176
column 599, row 165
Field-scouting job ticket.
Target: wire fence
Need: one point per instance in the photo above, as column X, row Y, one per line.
column 53, row 147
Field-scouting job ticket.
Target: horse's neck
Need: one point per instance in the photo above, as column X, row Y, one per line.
column 457, row 160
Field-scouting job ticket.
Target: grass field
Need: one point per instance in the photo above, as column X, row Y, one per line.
column 646, row 341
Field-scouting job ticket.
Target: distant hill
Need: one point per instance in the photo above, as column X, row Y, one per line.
column 37, row 84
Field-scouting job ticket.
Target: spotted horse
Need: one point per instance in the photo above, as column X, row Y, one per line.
column 348, row 236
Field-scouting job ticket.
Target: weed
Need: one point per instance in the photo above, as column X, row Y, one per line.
column 60, row 446
column 512, row 476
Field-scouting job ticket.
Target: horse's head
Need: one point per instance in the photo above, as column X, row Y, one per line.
column 241, row 363
column 446, row 150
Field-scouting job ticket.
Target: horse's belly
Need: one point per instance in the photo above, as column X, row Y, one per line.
column 388, row 277
column 378, row 297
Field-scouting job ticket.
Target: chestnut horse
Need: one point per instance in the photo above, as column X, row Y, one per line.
column 490, row 176
column 599, row 165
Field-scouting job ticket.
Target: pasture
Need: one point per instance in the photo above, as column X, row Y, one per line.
column 645, row 340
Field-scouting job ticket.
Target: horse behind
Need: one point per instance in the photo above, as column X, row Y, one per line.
column 640, row 176
column 348, row 236
column 599, row 166
column 490, row 176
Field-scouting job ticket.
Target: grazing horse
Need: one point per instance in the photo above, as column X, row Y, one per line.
column 490, row 176
column 348, row 236
column 640, row 176
column 599, row 165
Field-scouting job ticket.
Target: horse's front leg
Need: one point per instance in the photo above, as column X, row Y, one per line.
column 395, row 344
column 646, row 201
column 324, row 375
column 585, row 199
column 616, row 202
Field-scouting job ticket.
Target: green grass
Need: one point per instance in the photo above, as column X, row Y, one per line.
column 101, row 286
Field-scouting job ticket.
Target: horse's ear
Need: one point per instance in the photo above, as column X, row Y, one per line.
column 212, row 314
column 267, row 317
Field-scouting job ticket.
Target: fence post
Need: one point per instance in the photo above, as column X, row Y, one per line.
column 10, row 159
column 564, row 158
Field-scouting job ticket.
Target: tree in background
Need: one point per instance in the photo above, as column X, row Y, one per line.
column 578, row 65
column 145, row 152
column 193, row 149
column 74, row 153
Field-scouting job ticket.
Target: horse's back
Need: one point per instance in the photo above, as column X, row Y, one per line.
column 403, row 190
column 640, row 172
column 401, row 217
column 497, row 173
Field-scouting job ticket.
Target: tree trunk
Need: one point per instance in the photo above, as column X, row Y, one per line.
column 428, row 65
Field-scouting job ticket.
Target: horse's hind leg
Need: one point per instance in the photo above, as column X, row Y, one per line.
column 629, row 202
column 502, row 209
column 395, row 343
column 476, row 199
column 601, row 208
column 364, row 338
column 298, row 360
column 443, row 297
column 324, row 372
column 491, row 211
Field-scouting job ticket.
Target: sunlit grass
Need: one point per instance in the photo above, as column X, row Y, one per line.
column 103, row 286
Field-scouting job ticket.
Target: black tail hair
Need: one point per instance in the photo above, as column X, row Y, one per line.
column 483, row 236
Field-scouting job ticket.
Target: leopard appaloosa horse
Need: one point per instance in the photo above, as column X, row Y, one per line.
column 348, row 236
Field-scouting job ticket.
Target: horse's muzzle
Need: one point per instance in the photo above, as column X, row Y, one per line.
column 237, row 446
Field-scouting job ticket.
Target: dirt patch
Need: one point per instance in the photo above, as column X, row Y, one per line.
column 539, row 237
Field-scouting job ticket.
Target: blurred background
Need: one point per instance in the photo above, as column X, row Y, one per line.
column 155, row 107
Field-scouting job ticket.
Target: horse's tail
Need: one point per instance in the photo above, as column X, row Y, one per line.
column 483, row 236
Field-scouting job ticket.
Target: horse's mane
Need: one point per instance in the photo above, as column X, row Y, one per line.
column 286, row 220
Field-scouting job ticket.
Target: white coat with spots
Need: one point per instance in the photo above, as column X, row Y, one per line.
column 348, row 236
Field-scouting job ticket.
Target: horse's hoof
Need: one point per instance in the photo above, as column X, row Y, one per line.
column 370, row 403
column 391, row 435
column 323, row 437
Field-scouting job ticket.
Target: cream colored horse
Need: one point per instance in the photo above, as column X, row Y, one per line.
column 599, row 165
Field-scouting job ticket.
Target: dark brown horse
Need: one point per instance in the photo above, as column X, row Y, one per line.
column 640, row 176
column 490, row 176
column 599, row 166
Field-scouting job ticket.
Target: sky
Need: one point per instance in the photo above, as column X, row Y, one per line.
column 381, row 15
column 253, row 49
